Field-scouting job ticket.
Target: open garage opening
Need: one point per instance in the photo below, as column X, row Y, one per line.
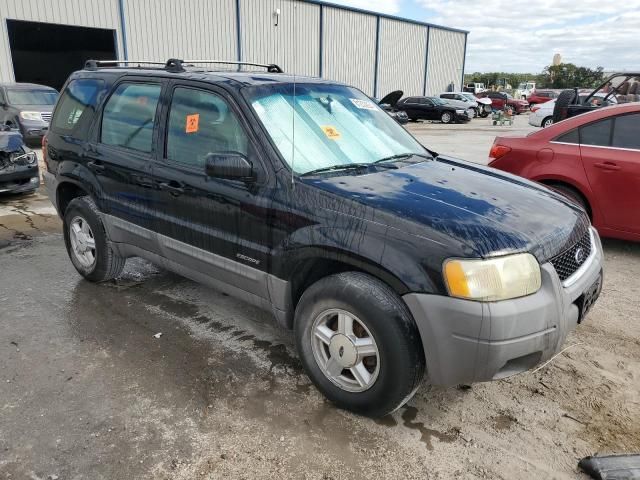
column 46, row 53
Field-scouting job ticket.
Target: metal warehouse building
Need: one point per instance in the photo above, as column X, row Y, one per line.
column 42, row 41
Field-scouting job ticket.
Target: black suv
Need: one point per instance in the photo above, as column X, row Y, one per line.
column 307, row 199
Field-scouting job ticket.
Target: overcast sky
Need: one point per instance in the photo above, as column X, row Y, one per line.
column 523, row 35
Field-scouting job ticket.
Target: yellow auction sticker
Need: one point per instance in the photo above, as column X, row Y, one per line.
column 331, row 132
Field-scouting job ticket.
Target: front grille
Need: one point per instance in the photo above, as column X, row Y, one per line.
column 46, row 116
column 572, row 259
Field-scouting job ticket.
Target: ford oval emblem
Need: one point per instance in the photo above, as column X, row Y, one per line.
column 579, row 256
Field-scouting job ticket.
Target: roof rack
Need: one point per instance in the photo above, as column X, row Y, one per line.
column 174, row 64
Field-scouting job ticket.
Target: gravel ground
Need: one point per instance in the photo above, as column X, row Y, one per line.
column 87, row 391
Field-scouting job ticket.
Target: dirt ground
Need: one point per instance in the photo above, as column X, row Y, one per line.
column 88, row 391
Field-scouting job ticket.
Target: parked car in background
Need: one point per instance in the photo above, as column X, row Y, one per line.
column 389, row 102
column 594, row 159
column 475, row 88
column 500, row 100
column 618, row 88
column 462, row 103
column 27, row 107
column 484, row 104
column 541, row 96
column 18, row 164
column 469, row 100
column 432, row 108
column 542, row 115
column 387, row 260
column 525, row 90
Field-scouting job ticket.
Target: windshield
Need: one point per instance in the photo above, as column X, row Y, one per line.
column 334, row 125
column 31, row 97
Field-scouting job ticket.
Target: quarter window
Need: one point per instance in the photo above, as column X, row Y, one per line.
column 597, row 133
column 569, row 137
column 129, row 116
column 201, row 123
column 625, row 131
column 77, row 106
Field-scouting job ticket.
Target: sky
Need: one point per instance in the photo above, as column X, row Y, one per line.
column 523, row 35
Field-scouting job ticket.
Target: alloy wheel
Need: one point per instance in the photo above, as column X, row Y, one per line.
column 83, row 244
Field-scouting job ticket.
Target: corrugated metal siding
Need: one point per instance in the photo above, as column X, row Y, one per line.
column 189, row 29
column 294, row 44
column 349, row 48
column 85, row 13
column 446, row 56
column 403, row 47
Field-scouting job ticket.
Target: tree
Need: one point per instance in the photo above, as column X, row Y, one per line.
column 568, row 75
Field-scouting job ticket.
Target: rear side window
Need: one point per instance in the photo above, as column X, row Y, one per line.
column 569, row 137
column 77, row 107
column 597, row 134
column 626, row 131
column 129, row 116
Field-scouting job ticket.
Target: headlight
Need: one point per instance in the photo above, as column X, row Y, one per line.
column 493, row 279
column 31, row 115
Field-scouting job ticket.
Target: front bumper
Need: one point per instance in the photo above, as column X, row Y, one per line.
column 21, row 179
column 466, row 341
column 33, row 129
column 535, row 119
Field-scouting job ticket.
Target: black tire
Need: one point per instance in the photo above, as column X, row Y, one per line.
column 389, row 321
column 572, row 194
column 547, row 122
column 107, row 264
column 446, row 117
column 566, row 98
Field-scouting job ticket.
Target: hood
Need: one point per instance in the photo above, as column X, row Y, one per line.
column 457, row 103
column 392, row 98
column 11, row 141
column 34, row 108
column 484, row 100
column 486, row 210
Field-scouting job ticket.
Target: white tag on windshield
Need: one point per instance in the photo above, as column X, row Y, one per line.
column 363, row 104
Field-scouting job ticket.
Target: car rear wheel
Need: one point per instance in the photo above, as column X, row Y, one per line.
column 566, row 98
column 547, row 122
column 446, row 117
column 87, row 244
column 359, row 343
column 572, row 194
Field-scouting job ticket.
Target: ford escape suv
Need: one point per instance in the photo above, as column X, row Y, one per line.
column 303, row 197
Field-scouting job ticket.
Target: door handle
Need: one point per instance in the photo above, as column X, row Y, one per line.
column 96, row 167
column 607, row 166
column 174, row 188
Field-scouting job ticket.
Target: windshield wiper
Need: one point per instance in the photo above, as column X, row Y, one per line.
column 346, row 166
column 403, row 156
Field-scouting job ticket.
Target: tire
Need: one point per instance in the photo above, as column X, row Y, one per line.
column 572, row 194
column 82, row 213
column 446, row 117
column 565, row 99
column 471, row 113
column 394, row 371
column 547, row 122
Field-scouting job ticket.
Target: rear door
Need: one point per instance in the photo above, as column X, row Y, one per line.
column 120, row 158
column 411, row 105
column 610, row 151
column 217, row 227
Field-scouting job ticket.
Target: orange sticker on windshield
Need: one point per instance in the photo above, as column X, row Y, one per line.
column 331, row 132
column 192, row 123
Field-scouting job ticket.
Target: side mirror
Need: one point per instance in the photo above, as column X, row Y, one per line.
column 230, row 165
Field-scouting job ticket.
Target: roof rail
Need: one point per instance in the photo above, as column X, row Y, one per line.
column 173, row 64
column 271, row 67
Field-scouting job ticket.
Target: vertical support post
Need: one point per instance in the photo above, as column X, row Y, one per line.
column 320, row 69
column 464, row 62
column 426, row 62
column 123, row 28
column 238, row 32
column 375, row 73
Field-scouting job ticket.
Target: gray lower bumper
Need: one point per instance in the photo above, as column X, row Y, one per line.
column 466, row 341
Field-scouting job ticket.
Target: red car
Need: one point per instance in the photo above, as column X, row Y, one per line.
column 500, row 99
column 592, row 158
column 541, row 96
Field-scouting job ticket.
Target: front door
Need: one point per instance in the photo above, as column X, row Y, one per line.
column 120, row 158
column 217, row 227
column 429, row 111
column 610, row 151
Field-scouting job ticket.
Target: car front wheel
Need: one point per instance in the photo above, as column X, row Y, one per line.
column 359, row 343
column 446, row 117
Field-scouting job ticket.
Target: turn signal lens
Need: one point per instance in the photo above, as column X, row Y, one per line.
column 493, row 279
column 498, row 151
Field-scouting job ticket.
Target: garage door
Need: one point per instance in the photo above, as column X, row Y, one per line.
column 47, row 53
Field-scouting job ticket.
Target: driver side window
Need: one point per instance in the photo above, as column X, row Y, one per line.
column 129, row 116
